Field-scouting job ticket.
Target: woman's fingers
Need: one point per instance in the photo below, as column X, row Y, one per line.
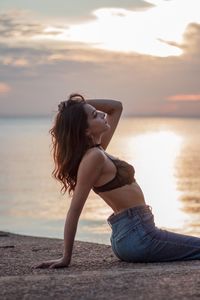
column 53, row 266
column 57, row 265
column 44, row 265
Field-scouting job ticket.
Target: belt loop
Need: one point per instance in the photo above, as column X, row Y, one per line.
column 109, row 223
column 129, row 212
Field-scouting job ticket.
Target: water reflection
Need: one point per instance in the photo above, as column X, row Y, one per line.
column 155, row 155
column 164, row 152
column 188, row 171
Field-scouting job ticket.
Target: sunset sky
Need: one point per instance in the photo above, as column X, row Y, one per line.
column 144, row 53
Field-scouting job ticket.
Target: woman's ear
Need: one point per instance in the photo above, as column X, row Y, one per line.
column 88, row 132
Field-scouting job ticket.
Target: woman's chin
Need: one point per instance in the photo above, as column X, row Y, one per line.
column 107, row 126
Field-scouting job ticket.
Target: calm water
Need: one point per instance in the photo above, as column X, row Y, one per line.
column 165, row 153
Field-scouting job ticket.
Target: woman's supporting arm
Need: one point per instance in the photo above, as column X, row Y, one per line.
column 92, row 164
column 70, row 228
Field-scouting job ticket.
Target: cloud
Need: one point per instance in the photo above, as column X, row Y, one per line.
column 186, row 97
column 18, row 62
column 191, row 41
column 129, row 31
column 122, row 30
column 23, row 56
column 16, row 47
column 144, row 32
column 4, row 88
column 43, row 71
column 99, row 33
column 139, row 82
column 16, row 24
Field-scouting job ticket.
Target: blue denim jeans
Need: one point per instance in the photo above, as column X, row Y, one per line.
column 135, row 238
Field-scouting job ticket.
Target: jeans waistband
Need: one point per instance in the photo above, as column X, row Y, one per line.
column 128, row 212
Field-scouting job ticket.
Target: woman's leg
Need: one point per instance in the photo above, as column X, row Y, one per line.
column 136, row 239
column 170, row 246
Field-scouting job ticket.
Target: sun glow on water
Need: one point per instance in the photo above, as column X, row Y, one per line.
column 155, row 158
column 164, row 152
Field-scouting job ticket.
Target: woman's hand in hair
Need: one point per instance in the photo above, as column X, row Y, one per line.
column 62, row 262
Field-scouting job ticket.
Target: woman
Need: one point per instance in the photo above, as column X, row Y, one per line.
column 80, row 135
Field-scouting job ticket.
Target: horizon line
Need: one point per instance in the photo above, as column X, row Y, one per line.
column 122, row 117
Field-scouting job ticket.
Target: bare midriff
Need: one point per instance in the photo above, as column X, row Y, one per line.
column 121, row 198
column 124, row 197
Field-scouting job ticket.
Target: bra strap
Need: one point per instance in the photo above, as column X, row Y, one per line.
column 96, row 145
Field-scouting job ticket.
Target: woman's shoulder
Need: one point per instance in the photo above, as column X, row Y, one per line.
column 90, row 169
column 93, row 155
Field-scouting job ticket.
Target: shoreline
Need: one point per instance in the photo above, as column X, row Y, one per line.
column 94, row 273
column 56, row 237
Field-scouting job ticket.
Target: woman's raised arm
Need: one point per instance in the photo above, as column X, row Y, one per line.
column 106, row 105
column 114, row 109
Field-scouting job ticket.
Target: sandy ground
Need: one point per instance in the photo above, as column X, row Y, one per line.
column 94, row 273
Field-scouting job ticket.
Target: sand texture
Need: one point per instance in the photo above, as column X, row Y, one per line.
column 94, row 273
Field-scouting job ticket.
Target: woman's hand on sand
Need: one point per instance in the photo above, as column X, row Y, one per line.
column 56, row 263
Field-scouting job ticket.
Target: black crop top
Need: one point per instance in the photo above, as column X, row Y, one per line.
column 124, row 175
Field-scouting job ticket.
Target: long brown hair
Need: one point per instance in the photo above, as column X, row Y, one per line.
column 69, row 140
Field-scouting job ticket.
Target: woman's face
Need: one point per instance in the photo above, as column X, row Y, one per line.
column 97, row 122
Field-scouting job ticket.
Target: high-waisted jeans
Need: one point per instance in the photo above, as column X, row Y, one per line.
column 135, row 238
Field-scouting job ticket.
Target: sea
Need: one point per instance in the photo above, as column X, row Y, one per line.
column 165, row 153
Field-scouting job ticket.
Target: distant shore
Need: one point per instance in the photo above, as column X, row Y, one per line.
column 94, row 273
